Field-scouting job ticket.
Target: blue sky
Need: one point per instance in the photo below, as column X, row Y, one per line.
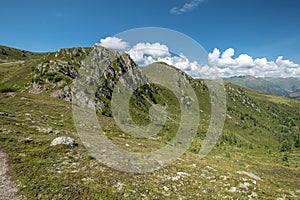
column 259, row 28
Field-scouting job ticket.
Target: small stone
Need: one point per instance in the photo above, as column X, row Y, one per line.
column 57, row 132
column 4, row 114
column 27, row 140
column 232, row 189
column 165, row 188
column 119, row 186
column 244, row 185
column 50, row 130
column 252, row 195
column 224, row 177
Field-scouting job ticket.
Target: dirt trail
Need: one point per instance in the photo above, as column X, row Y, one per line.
column 8, row 190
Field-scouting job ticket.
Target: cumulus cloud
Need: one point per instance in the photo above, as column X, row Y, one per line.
column 244, row 60
column 146, row 53
column 186, row 7
column 181, row 62
column 286, row 63
column 113, row 43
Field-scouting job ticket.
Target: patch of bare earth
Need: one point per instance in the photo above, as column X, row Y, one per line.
column 8, row 189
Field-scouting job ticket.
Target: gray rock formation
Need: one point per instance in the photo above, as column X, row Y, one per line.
column 64, row 140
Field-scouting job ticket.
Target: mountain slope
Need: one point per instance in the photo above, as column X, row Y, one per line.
column 261, row 136
column 276, row 86
column 9, row 54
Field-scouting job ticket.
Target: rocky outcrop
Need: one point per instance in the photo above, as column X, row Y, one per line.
column 59, row 71
column 65, row 93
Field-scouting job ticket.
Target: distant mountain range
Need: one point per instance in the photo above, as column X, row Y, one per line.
column 287, row 87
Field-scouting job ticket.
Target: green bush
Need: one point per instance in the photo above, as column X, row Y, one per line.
column 50, row 76
column 285, row 146
column 57, row 79
column 7, row 89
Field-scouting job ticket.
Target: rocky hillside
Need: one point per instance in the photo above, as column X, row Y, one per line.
column 256, row 157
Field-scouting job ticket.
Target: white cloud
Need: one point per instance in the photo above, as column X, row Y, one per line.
column 263, row 63
column 228, row 53
column 181, row 62
column 286, row 63
column 145, row 53
column 113, row 43
column 221, row 65
column 244, row 64
column 186, row 7
column 214, row 56
column 244, row 61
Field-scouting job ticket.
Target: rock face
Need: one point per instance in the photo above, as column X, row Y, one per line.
column 65, row 93
column 59, row 71
column 106, row 73
column 63, row 140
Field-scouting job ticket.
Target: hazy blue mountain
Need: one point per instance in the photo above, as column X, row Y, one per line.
column 276, row 86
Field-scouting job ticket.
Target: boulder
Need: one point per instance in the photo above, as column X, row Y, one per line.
column 64, row 140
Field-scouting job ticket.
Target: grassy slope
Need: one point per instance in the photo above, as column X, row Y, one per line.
column 251, row 141
column 61, row 172
column 15, row 76
column 9, row 54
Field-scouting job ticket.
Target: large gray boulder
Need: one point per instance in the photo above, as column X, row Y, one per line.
column 64, row 140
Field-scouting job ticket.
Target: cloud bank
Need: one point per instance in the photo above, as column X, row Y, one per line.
column 219, row 64
column 246, row 65
column 186, row 7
